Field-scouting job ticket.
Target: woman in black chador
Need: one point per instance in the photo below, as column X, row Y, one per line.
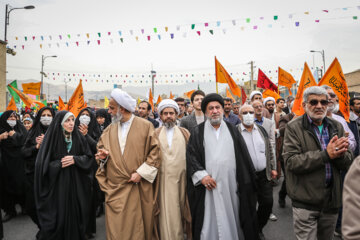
column 12, row 164
column 88, row 127
column 63, row 174
column 30, row 150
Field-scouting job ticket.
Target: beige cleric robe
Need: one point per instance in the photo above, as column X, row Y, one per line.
column 175, row 217
column 130, row 209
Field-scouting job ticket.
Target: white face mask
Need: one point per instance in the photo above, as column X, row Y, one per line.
column 46, row 121
column 12, row 123
column 248, row 119
column 84, row 120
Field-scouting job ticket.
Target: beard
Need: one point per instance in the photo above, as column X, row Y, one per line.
column 215, row 121
column 315, row 118
column 169, row 124
column 335, row 108
column 117, row 118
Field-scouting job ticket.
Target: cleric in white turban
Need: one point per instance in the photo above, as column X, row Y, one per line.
column 269, row 99
column 168, row 103
column 257, row 96
column 128, row 155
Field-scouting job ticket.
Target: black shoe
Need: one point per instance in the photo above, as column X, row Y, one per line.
column 281, row 202
column 8, row 217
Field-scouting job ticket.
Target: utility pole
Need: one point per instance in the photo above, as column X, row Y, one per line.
column 153, row 75
column 251, row 74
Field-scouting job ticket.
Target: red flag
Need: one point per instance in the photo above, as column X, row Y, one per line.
column 265, row 83
column 243, row 96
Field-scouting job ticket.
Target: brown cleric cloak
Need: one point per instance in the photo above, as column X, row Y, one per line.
column 130, row 209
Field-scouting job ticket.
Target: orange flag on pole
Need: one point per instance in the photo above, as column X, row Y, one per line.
column 158, row 100
column 228, row 95
column 270, row 93
column 151, row 100
column 26, row 99
column 189, row 93
column 334, row 78
column 171, row 95
column 285, row 79
column 41, row 105
column 76, row 102
column 222, row 76
column 307, row 80
column 31, row 88
column 11, row 105
column 61, row 104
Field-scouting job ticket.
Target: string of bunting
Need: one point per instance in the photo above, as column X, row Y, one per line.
column 166, row 32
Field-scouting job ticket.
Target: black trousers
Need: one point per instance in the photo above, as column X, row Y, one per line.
column 264, row 198
column 283, row 192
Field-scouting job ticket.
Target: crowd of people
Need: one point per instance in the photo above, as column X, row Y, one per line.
column 198, row 168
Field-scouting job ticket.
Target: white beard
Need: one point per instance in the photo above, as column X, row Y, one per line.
column 117, row 118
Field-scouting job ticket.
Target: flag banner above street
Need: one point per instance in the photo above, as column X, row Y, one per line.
column 181, row 31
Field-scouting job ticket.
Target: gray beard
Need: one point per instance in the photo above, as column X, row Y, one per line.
column 216, row 121
column 117, row 118
column 169, row 125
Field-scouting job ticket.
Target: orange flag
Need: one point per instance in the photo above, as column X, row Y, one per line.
column 41, row 105
column 334, row 78
column 26, row 99
column 171, row 95
column 158, row 100
column 285, row 79
column 228, row 95
column 222, row 76
column 76, row 102
column 151, row 100
column 12, row 105
column 269, row 93
column 31, row 88
column 307, row 80
column 61, row 104
column 189, row 93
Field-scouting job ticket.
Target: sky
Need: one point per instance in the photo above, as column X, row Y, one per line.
column 235, row 42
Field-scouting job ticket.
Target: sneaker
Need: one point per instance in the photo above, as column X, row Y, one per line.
column 273, row 217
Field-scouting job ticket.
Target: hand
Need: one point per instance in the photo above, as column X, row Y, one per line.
column 67, row 161
column 135, row 178
column 274, row 174
column 4, row 135
column 101, row 154
column 39, row 140
column 208, row 182
column 337, row 147
column 11, row 133
column 83, row 129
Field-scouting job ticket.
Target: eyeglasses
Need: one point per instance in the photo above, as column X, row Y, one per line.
column 244, row 113
column 260, row 106
column 332, row 95
column 270, row 104
column 315, row 102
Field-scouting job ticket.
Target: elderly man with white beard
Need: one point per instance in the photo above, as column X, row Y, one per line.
column 220, row 178
column 333, row 109
column 315, row 150
column 175, row 217
column 128, row 155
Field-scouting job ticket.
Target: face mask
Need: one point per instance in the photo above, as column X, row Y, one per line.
column 45, row 120
column 12, row 123
column 248, row 119
column 84, row 120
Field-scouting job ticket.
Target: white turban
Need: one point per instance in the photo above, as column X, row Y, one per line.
column 253, row 93
column 166, row 103
column 269, row 99
column 124, row 99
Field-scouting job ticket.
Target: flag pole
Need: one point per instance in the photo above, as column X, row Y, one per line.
column 217, row 88
column 216, row 78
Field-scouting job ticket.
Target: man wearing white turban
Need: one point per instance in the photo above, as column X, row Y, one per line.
column 175, row 217
column 257, row 96
column 128, row 155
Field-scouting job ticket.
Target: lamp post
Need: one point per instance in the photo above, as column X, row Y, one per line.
column 322, row 52
column 42, row 72
column 8, row 10
column 66, row 82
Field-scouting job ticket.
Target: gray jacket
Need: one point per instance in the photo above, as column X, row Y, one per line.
column 189, row 122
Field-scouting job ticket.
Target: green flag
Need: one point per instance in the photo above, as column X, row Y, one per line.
column 12, row 92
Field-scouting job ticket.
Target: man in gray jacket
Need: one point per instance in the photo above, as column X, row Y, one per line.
column 315, row 151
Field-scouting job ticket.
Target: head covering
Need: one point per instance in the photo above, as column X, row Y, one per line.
column 253, row 93
column 268, row 99
column 166, row 103
column 93, row 127
column 5, row 127
column 124, row 99
column 27, row 119
column 37, row 128
column 67, row 115
column 104, row 113
column 211, row 97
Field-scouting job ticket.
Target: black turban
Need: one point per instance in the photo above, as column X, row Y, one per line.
column 210, row 98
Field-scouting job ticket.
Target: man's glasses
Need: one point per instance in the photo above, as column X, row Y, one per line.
column 244, row 113
column 316, row 102
column 270, row 104
column 260, row 106
column 332, row 95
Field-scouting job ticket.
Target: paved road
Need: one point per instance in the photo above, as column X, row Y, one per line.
column 22, row 228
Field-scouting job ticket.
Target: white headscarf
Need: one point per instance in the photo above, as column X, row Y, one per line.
column 168, row 103
column 253, row 93
column 124, row 99
column 268, row 99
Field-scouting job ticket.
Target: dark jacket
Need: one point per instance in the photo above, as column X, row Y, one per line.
column 305, row 166
column 189, row 122
column 245, row 174
column 154, row 122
